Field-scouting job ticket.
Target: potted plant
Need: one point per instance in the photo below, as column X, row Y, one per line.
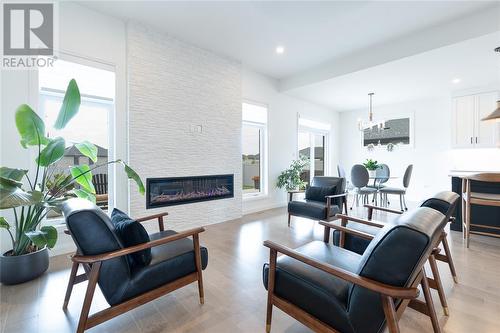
column 371, row 166
column 31, row 196
column 290, row 178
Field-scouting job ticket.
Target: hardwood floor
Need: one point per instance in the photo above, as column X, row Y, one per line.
column 235, row 299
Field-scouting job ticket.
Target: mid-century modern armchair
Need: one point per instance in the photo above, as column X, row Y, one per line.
column 176, row 261
column 355, row 234
column 331, row 289
column 324, row 198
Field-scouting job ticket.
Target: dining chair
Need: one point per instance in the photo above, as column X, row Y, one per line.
column 382, row 176
column 340, row 171
column 470, row 198
column 398, row 190
column 359, row 180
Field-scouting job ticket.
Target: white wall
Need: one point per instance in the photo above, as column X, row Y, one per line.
column 172, row 87
column 431, row 156
column 282, row 132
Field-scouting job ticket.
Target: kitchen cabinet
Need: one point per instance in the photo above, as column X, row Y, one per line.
column 468, row 131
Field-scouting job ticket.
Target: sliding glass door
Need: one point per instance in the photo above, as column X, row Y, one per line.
column 312, row 146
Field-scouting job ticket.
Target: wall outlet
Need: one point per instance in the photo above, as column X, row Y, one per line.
column 196, row 129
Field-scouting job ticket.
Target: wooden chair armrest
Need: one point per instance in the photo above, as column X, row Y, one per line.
column 337, row 195
column 151, row 217
column 372, row 223
column 381, row 288
column 128, row 250
column 158, row 216
column 354, row 232
column 388, row 210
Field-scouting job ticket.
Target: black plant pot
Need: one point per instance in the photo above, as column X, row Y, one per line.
column 19, row 269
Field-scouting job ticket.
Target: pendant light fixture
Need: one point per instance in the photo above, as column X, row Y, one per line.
column 370, row 124
column 495, row 115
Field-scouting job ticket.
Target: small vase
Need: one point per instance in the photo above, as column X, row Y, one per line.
column 372, row 173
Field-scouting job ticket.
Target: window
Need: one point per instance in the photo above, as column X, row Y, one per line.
column 92, row 122
column 312, row 145
column 253, row 142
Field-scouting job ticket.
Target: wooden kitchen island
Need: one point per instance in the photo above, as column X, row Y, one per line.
column 480, row 215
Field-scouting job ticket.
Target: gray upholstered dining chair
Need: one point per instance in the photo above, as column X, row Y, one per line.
column 399, row 191
column 359, row 180
column 382, row 176
column 341, row 171
column 342, row 174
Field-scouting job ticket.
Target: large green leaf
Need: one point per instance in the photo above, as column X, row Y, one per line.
column 83, row 176
column 3, row 223
column 81, row 193
column 11, row 198
column 14, row 174
column 46, row 236
column 131, row 174
column 87, row 149
column 50, row 235
column 52, row 153
column 9, row 184
column 30, row 126
column 70, row 105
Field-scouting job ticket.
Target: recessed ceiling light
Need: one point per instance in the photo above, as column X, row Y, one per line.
column 456, row 81
column 280, row 49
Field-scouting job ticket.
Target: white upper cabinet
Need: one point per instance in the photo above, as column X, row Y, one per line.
column 486, row 130
column 468, row 131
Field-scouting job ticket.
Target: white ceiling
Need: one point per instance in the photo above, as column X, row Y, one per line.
column 311, row 32
column 425, row 75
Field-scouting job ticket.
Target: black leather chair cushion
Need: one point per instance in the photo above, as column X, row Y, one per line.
column 316, row 292
column 311, row 209
column 393, row 257
column 318, row 193
column 353, row 243
column 338, row 182
column 93, row 233
column 131, row 233
column 170, row 262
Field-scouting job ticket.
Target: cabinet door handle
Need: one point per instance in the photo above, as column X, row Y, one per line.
column 471, row 140
column 476, row 139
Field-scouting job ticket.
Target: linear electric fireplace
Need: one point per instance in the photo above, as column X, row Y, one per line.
column 171, row 191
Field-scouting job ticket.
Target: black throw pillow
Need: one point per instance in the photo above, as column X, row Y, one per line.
column 318, row 193
column 131, row 233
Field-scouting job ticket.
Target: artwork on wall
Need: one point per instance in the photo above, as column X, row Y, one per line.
column 396, row 132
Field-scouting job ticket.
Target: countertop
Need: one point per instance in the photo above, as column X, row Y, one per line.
column 465, row 173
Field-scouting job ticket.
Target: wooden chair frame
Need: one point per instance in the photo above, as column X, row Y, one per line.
column 388, row 293
column 92, row 265
column 446, row 257
column 469, row 198
column 434, row 282
column 329, row 201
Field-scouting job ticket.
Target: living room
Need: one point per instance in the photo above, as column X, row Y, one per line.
column 224, row 121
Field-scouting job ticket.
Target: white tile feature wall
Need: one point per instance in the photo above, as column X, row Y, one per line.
column 184, row 120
